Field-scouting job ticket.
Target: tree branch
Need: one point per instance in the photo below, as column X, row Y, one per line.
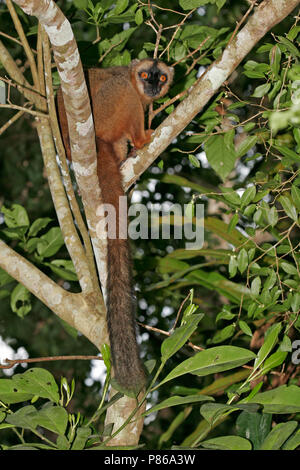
column 75, row 309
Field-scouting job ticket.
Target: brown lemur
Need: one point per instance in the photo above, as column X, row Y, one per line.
column 119, row 97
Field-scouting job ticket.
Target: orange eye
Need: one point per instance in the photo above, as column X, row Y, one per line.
column 163, row 78
column 144, row 75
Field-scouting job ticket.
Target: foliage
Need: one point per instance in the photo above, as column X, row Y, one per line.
column 230, row 357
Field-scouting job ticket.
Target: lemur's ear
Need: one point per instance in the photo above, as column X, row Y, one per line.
column 134, row 62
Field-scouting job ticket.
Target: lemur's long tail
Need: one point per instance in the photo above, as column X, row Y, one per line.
column 128, row 369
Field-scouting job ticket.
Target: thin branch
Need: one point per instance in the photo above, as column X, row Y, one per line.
column 24, row 41
column 12, row 362
column 40, row 64
column 109, row 50
column 7, row 36
column 177, row 28
column 253, row 4
column 11, row 121
column 193, row 52
column 25, row 110
column 15, row 73
column 168, row 333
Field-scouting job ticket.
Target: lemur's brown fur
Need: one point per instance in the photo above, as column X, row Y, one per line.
column 119, row 96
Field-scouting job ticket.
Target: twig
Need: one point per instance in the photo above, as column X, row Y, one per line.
column 109, row 50
column 161, row 8
column 11, row 121
column 13, row 362
column 242, row 21
column 193, row 52
column 21, row 88
column 26, row 110
column 24, row 41
column 178, row 26
column 7, row 36
column 158, row 36
column 179, row 312
column 168, row 333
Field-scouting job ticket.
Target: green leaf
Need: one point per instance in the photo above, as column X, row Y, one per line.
column 255, row 286
column 288, row 268
column 194, row 160
column 180, row 336
column 121, row 6
column 38, row 225
column 220, row 4
column 62, row 442
column 16, row 216
column 293, row 442
column 177, row 400
column 231, row 196
column 222, row 335
column 232, row 266
column 295, row 302
column 261, row 90
column 190, row 4
column 20, row 300
column 245, row 328
column 295, row 192
column 254, row 426
column 227, row 443
column 221, row 157
column 37, row 381
column 275, row 360
column 244, row 147
column 242, row 260
column 270, row 281
column 81, row 4
column 270, row 341
column 290, row 46
column 279, row 434
column 275, row 58
column 50, row 243
column 25, row 417
column 212, row 412
column 63, row 268
column 248, row 196
column 11, row 393
column 233, row 221
column 286, row 344
column 170, row 265
column 106, row 356
column 106, row 4
column 225, row 314
column 211, row 361
column 284, row 150
column 281, row 400
column 82, row 435
column 53, row 417
column 272, row 216
column 288, row 207
column 139, row 17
